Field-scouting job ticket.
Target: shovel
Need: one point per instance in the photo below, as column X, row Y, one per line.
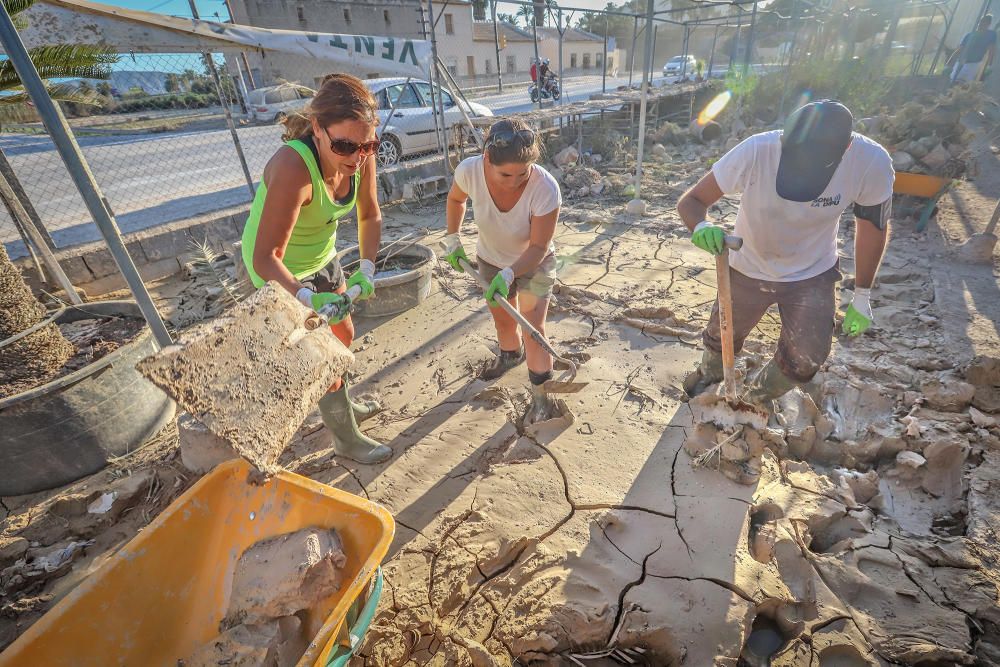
column 565, row 384
column 732, row 411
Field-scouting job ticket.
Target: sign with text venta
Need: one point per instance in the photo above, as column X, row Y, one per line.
column 361, row 52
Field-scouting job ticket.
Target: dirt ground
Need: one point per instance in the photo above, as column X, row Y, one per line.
column 861, row 530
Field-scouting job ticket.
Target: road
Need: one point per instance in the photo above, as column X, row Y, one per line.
column 151, row 179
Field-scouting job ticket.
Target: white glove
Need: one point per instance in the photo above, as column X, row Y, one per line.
column 862, row 301
column 452, row 242
column 368, row 268
column 507, row 275
column 305, row 295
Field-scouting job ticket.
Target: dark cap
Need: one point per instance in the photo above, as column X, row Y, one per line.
column 812, row 145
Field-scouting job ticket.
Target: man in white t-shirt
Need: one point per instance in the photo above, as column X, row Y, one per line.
column 795, row 185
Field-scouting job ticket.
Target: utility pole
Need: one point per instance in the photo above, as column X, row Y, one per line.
column 604, row 58
column 496, row 43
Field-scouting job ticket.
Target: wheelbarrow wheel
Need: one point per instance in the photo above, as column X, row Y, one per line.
column 341, row 655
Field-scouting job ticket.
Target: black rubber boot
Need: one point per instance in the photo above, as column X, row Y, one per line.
column 348, row 441
column 363, row 410
column 709, row 372
column 769, row 384
column 502, row 363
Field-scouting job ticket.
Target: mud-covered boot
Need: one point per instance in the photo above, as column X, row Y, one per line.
column 709, row 372
column 364, row 409
column 543, row 407
column 348, row 441
column 502, row 363
column 768, row 385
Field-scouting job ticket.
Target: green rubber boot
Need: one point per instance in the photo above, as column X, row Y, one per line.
column 768, row 385
column 338, row 415
column 363, row 410
column 709, row 372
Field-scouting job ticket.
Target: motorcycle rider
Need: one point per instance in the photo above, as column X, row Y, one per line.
column 545, row 76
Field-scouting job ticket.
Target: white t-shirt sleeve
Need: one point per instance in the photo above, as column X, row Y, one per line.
column 876, row 187
column 732, row 170
column 547, row 196
column 463, row 174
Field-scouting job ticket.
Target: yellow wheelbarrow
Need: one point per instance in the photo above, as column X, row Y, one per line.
column 925, row 187
column 163, row 594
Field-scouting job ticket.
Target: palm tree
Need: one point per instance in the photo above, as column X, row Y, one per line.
column 527, row 13
column 38, row 356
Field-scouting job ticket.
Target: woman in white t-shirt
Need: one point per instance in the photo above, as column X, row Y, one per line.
column 516, row 206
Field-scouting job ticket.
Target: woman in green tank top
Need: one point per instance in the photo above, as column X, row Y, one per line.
column 325, row 169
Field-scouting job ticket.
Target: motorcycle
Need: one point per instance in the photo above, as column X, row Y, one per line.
column 550, row 89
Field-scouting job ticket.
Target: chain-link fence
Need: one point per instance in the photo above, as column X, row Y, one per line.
column 162, row 149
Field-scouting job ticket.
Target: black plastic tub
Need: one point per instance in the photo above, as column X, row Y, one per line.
column 69, row 428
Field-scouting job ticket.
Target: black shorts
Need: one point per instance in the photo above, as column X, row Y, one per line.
column 328, row 279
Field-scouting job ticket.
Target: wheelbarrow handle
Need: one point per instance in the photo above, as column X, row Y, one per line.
column 341, row 655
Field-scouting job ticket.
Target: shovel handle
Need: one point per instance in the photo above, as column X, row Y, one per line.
column 520, row 319
column 318, row 319
column 726, row 317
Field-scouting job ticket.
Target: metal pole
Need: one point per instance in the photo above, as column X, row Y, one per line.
column 496, row 43
column 788, row 71
column 604, row 58
column 647, row 71
column 538, row 62
column 78, row 169
column 684, row 52
column 224, row 101
column 7, row 170
column 631, row 55
column 748, row 56
column 243, row 55
column 923, row 45
column 13, row 204
column 711, row 58
column 436, row 102
column 944, row 37
column 559, row 28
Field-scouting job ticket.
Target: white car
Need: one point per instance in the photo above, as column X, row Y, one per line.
column 675, row 66
column 410, row 129
column 272, row 104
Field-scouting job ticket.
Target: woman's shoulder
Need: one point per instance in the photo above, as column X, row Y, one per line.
column 469, row 163
column 545, row 179
column 288, row 166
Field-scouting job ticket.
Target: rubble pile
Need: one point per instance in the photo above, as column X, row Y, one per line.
column 927, row 136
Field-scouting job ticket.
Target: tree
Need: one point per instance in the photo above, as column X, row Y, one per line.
column 104, row 88
column 507, row 18
column 37, row 357
column 172, row 83
column 619, row 27
column 525, row 12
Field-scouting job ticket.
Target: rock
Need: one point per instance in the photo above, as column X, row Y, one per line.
column 983, row 370
column 910, row 459
column 937, row 158
column 987, row 399
column 12, row 548
column 583, row 191
column 201, row 450
column 864, row 485
column 597, row 188
column 659, row 150
column 978, row 249
column 285, row 574
column 902, row 161
column 596, row 158
column 636, row 207
column 943, row 475
column 239, row 646
column 982, row 420
column 953, row 395
column 566, row 156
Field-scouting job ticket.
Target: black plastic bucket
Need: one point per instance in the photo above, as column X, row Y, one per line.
column 70, row 427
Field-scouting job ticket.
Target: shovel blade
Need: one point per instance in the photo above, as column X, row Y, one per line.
column 563, row 387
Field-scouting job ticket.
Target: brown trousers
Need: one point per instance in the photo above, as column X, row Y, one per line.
column 806, row 307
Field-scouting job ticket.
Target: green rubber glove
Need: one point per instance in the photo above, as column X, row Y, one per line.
column 499, row 285
column 709, row 238
column 454, row 251
column 859, row 314
column 364, row 278
column 317, row 300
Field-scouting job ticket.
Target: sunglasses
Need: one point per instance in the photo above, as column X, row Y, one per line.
column 504, row 138
column 345, row 147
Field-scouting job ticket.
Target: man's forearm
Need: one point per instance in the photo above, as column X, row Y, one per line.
column 869, row 248
column 691, row 210
column 454, row 213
